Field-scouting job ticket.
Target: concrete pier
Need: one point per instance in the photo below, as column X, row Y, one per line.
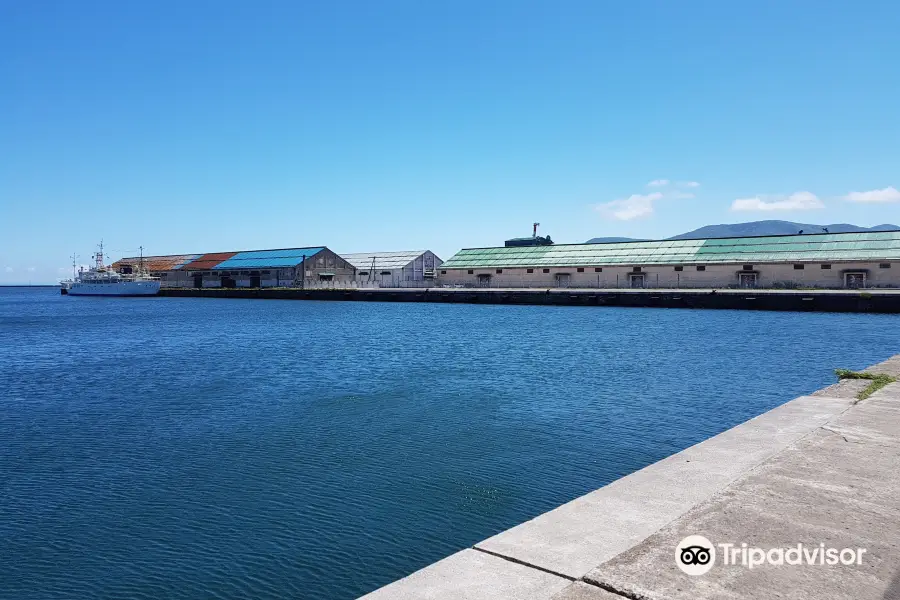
column 874, row 300
column 819, row 470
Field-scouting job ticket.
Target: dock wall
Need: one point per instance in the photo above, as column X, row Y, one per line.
column 876, row 301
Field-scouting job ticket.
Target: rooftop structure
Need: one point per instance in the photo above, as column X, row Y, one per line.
column 153, row 264
column 206, row 262
column 253, row 259
column 534, row 240
column 529, row 241
column 259, row 259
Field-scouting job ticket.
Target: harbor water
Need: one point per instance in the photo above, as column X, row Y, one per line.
column 204, row 448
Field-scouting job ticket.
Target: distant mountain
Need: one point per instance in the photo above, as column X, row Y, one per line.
column 758, row 228
column 609, row 240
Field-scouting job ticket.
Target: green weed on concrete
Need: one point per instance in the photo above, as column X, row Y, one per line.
column 879, row 380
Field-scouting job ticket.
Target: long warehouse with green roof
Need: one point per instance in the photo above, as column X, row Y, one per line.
column 827, row 260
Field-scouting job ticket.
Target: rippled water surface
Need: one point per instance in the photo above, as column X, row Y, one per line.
column 198, row 448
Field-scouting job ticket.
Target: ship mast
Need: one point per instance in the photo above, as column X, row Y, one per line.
column 98, row 257
column 74, row 258
column 141, row 263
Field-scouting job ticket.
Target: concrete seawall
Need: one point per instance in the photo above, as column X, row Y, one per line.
column 820, row 469
column 877, row 301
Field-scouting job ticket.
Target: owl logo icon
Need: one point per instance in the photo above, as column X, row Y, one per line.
column 695, row 555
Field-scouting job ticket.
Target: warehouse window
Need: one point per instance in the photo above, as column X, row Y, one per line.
column 471, row 272
column 546, row 270
column 581, row 269
column 499, row 271
column 798, row 267
column 529, row 270
column 598, row 269
column 385, row 272
column 826, row 266
column 748, row 267
column 701, row 267
column 679, row 268
column 636, row 269
column 443, row 272
column 363, row 273
column 884, row 266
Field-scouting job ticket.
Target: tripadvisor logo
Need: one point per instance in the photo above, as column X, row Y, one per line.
column 696, row 555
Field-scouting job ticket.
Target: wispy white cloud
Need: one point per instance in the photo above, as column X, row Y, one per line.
column 888, row 194
column 668, row 182
column 796, row 201
column 642, row 205
column 30, row 269
column 9, row 269
column 632, row 207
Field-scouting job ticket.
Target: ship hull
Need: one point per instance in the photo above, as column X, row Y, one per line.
column 122, row 288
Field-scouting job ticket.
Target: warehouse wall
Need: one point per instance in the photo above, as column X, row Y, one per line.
column 767, row 275
column 415, row 270
column 327, row 261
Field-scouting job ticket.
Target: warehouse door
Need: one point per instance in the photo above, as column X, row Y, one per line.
column 748, row 280
column 254, row 281
column 484, row 280
column 563, row 279
column 228, row 282
column 198, row 281
column 855, row 280
column 636, row 281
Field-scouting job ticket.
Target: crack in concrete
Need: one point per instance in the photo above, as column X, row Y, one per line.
column 826, row 428
column 613, row 590
column 525, row 564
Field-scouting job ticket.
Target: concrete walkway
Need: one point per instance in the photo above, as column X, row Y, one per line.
column 821, row 469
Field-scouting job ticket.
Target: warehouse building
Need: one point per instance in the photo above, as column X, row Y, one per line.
column 286, row 267
column 835, row 260
column 395, row 269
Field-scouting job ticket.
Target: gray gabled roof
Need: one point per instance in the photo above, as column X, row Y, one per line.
column 383, row 260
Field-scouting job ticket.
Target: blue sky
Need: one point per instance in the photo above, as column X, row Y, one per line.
column 196, row 126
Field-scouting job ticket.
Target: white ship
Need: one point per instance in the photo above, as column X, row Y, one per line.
column 100, row 280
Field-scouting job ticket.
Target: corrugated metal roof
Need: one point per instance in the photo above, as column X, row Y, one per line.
column 868, row 246
column 287, row 257
column 207, row 261
column 383, row 260
column 157, row 263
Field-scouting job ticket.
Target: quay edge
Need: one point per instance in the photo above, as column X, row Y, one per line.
column 867, row 301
